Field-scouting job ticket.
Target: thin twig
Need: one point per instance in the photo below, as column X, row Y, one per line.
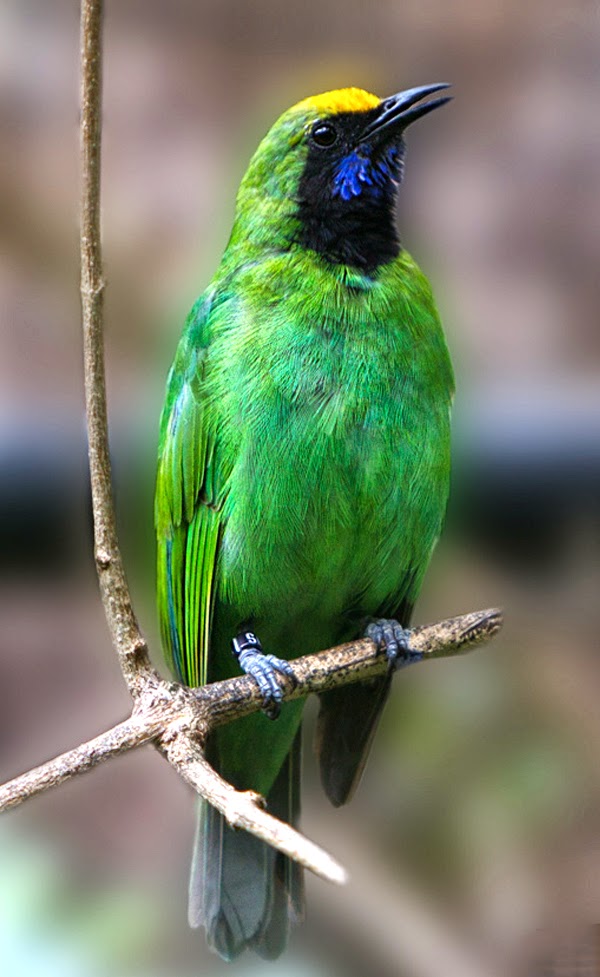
column 128, row 735
column 128, row 641
column 245, row 809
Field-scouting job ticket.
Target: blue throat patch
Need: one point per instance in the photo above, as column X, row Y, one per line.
column 358, row 172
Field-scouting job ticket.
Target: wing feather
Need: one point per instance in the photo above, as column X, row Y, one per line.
column 188, row 506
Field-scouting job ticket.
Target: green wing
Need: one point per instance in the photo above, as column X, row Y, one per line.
column 188, row 505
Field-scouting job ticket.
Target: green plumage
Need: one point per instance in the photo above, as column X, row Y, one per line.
column 303, row 472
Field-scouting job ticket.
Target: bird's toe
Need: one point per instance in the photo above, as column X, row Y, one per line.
column 263, row 669
column 392, row 638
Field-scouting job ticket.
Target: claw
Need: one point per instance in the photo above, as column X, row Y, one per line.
column 263, row 669
column 394, row 640
column 281, row 665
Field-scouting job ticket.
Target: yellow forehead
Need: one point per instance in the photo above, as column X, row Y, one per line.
column 341, row 100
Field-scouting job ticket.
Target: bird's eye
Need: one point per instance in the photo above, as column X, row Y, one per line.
column 324, row 134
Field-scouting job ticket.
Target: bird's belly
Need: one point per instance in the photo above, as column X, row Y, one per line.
column 323, row 529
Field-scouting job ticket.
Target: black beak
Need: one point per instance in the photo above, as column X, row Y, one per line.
column 398, row 111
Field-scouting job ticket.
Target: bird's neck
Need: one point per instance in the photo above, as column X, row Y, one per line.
column 263, row 223
column 359, row 233
column 355, row 234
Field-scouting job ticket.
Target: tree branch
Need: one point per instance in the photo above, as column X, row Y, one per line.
column 128, row 640
column 357, row 661
column 177, row 719
column 133, row 732
column 246, row 809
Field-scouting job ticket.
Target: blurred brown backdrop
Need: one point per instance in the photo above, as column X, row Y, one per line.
column 474, row 842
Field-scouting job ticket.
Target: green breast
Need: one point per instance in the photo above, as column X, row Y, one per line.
column 337, row 406
column 333, row 392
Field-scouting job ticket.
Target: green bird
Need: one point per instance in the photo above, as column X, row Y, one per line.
column 303, row 474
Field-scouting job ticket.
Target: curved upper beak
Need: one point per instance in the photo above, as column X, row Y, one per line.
column 398, row 111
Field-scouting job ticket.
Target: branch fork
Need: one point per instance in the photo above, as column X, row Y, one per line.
column 178, row 720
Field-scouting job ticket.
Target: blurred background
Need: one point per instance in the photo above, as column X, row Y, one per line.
column 473, row 843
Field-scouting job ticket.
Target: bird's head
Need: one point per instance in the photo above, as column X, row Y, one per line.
column 328, row 171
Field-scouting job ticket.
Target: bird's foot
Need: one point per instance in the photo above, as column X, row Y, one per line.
column 263, row 669
column 392, row 638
